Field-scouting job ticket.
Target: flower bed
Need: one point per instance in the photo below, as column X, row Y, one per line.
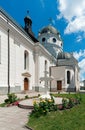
column 44, row 106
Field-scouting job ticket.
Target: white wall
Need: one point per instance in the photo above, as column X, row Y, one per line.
column 17, row 48
column 60, row 73
column 42, row 59
column 4, row 59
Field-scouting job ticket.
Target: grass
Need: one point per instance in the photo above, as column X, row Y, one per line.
column 70, row 119
column 2, row 104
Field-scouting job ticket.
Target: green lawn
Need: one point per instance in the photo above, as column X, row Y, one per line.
column 70, row 119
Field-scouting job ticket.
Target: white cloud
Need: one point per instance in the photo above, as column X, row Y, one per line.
column 73, row 11
column 80, row 56
column 79, row 38
column 82, row 69
column 51, row 21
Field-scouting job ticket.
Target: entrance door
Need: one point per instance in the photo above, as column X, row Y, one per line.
column 59, row 85
column 26, row 84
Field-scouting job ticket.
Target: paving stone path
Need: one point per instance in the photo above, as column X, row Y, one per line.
column 13, row 118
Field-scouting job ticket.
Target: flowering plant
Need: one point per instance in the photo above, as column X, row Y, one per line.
column 44, row 106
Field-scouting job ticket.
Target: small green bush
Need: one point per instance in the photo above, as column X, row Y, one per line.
column 65, row 103
column 26, row 97
column 43, row 107
column 11, row 98
column 38, row 95
column 70, row 102
column 78, row 97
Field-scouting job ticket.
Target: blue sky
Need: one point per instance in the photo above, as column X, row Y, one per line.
column 68, row 16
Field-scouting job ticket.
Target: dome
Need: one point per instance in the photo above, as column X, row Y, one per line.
column 48, row 29
column 64, row 55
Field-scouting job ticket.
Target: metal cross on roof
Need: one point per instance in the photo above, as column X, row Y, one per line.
column 27, row 11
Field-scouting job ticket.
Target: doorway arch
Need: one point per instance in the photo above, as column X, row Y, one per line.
column 26, row 84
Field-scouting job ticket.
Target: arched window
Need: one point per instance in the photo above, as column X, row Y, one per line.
column 26, row 60
column 45, row 64
column 68, row 77
column 43, row 39
column 54, row 40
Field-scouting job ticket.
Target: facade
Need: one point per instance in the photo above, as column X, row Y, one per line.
column 65, row 73
column 23, row 57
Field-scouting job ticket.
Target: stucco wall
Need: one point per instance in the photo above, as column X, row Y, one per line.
column 60, row 74
column 4, row 59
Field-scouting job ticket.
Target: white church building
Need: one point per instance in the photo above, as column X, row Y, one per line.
column 23, row 58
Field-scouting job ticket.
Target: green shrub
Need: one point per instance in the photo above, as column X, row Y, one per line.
column 38, row 95
column 78, row 97
column 71, row 102
column 43, row 107
column 65, row 103
column 11, row 98
column 26, row 97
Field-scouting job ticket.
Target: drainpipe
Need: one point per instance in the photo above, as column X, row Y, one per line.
column 50, row 75
column 8, row 63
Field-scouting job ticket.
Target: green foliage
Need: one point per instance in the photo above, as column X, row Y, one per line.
column 71, row 119
column 38, row 95
column 70, row 102
column 78, row 97
column 11, row 98
column 26, row 97
column 2, row 104
column 65, row 102
column 43, row 107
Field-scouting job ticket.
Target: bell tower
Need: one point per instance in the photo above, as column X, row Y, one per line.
column 28, row 25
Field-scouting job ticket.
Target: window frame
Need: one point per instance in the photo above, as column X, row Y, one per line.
column 26, row 60
column 68, row 77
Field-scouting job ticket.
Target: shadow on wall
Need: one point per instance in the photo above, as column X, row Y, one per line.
column 71, row 86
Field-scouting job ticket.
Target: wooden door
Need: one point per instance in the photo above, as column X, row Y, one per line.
column 59, row 85
column 26, row 84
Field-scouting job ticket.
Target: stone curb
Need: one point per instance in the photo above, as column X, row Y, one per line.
column 28, row 127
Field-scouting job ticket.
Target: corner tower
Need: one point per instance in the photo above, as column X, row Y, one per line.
column 50, row 38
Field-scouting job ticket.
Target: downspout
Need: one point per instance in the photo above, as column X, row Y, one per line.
column 8, row 63
column 50, row 75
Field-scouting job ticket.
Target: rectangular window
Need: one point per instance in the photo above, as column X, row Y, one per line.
column 68, row 77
